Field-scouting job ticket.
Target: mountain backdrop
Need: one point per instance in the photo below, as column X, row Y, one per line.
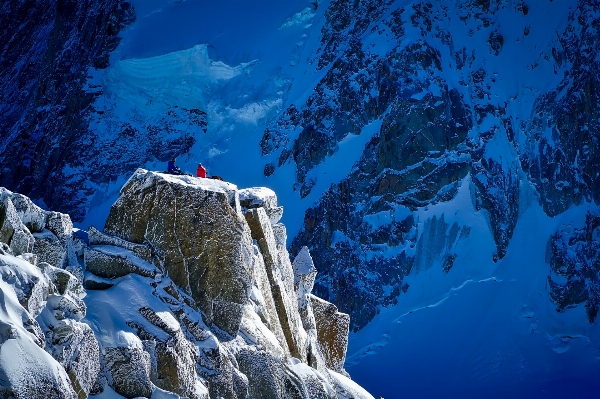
column 439, row 159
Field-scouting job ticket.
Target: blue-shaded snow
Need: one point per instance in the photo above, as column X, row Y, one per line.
column 495, row 333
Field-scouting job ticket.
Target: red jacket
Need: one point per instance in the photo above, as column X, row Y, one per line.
column 201, row 171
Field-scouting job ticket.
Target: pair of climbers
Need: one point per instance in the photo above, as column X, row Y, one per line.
column 200, row 171
column 174, row 169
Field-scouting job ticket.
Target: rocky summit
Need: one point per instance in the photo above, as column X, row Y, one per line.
column 188, row 292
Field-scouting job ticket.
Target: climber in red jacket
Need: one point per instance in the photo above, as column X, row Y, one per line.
column 201, row 171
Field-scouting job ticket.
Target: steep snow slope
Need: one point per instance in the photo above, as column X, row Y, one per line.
column 483, row 329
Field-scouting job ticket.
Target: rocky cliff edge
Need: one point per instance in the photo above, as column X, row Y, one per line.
column 188, row 292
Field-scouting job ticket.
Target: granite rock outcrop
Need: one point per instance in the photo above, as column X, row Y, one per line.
column 188, row 291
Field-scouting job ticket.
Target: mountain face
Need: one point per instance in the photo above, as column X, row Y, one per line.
column 48, row 48
column 450, row 99
column 444, row 155
column 191, row 295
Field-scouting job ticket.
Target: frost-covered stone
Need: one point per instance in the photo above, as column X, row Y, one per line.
column 31, row 215
column 173, row 357
column 64, row 282
column 12, row 230
column 280, row 233
column 27, row 281
column 129, row 371
column 273, row 378
column 314, row 384
column 170, row 346
column 332, row 329
column 27, row 370
column 348, row 389
column 22, row 242
column 256, row 197
column 304, row 269
column 9, row 220
column 49, row 249
column 261, row 197
column 198, row 234
column 60, row 224
column 262, row 300
column 255, row 332
column 96, row 237
column 113, row 262
column 75, row 347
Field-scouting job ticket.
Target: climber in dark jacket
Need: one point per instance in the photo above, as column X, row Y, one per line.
column 173, row 169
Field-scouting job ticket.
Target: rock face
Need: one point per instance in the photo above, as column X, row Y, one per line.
column 436, row 116
column 44, row 105
column 194, row 296
column 48, row 301
column 199, row 236
column 332, row 329
column 574, row 258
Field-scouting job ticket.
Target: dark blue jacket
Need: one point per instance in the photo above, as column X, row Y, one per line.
column 174, row 170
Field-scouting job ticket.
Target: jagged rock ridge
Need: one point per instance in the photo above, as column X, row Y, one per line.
column 189, row 290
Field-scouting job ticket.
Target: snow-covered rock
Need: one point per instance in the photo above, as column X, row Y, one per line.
column 280, row 274
column 262, row 197
column 332, row 332
column 112, row 262
column 128, row 370
column 185, row 297
column 195, row 227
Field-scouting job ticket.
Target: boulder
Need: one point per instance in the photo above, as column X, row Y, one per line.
column 26, row 369
column 49, row 249
column 257, row 197
column 60, row 224
column 12, row 229
column 173, row 360
column 9, row 220
column 261, row 197
column 128, row 370
column 112, row 262
column 22, row 242
column 271, row 377
column 31, row 215
column 75, row 347
column 332, row 332
column 28, row 282
column 194, row 226
column 266, row 371
column 63, row 281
